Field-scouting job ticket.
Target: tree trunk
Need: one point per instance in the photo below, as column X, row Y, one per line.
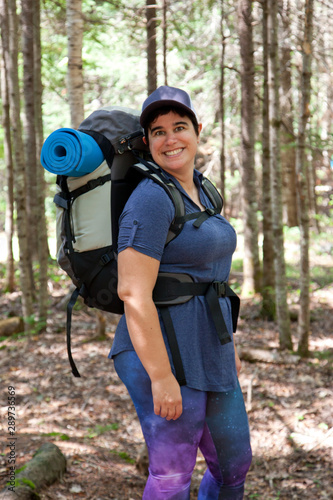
column 10, row 268
column 287, row 129
column 47, row 466
column 75, row 70
column 313, row 205
column 19, row 166
column 222, row 106
column 252, row 274
column 165, row 34
column 43, row 251
column 151, row 46
column 302, row 178
column 268, row 309
column 276, row 180
column 29, row 122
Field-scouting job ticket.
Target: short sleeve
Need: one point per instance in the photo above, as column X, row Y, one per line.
column 145, row 221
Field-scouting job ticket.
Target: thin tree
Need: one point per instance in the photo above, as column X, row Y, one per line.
column 9, row 225
column 165, row 38
column 288, row 158
column 251, row 266
column 29, row 122
column 302, row 184
column 222, row 102
column 19, row 165
column 276, row 176
column 268, row 309
column 43, row 250
column 74, row 24
column 151, row 46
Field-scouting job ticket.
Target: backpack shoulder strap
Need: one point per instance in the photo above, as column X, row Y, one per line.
column 213, row 194
column 152, row 171
column 216, row 200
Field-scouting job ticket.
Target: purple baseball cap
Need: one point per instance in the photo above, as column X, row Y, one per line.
column 167, row 96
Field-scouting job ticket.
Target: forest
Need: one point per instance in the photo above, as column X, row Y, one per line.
column 260, row 75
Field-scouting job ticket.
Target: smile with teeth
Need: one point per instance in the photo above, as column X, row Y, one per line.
column 174, row 152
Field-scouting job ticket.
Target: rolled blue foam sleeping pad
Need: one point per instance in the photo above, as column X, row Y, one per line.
column 70, row 152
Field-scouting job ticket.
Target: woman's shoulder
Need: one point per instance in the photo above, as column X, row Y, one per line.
column 151, row 201
column 149, row 192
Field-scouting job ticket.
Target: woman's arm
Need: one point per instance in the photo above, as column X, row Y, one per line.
column 237, row 359
column 137, row 274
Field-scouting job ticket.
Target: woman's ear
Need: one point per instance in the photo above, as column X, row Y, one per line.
column 199, row 130
column 145, row 140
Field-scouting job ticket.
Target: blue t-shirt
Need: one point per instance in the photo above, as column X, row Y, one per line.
column 205, row 253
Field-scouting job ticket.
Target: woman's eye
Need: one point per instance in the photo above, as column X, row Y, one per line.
column 179, row 129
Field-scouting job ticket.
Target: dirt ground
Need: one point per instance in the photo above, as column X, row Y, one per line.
column 92, row 419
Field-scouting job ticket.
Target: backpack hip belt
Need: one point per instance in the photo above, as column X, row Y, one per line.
column 176, row 288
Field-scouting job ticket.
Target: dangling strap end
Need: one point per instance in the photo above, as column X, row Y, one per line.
column 70, row 306
column 225, row 340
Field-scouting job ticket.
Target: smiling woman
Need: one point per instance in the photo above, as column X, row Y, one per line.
column 204, row 409
column 173, row 143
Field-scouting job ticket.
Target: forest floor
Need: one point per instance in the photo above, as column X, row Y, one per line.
column 92, row 419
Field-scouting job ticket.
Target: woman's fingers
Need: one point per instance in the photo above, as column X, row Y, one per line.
column 169, row 412
column 175, row 412
column 167, row 398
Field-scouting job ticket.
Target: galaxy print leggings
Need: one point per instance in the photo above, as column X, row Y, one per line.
column 214, row 422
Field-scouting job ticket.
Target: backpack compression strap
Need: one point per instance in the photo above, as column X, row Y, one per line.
column 65, row 198
column 105, row 145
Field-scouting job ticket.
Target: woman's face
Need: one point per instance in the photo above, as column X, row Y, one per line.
column 173, row 142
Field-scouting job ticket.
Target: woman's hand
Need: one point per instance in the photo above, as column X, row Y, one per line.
column 167, row 397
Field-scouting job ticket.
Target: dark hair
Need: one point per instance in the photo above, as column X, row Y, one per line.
column 164, row 110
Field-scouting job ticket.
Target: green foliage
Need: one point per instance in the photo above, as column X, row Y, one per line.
column 98, row 430
column 60, row 435
column 27, row 482
column 326, row 355
column 2, row 270
column 21, row 469
column 237, row 265
column 125, row 456
column 22, row 481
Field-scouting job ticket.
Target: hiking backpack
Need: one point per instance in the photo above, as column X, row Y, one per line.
column 88, row 210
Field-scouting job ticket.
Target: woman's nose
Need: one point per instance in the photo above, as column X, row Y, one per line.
column 170, row 138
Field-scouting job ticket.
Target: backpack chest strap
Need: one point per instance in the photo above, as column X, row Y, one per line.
column 199, row 217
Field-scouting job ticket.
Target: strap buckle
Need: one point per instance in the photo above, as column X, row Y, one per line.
column 105, row 259
column 94, row 183
column 220, row 288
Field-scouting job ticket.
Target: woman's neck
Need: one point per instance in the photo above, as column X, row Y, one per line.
column 188, row 184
